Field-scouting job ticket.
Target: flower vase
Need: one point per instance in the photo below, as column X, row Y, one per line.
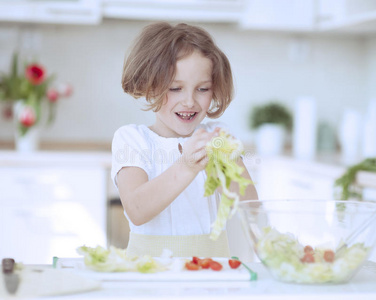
column 29, row 142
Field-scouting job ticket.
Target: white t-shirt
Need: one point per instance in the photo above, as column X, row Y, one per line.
column 190, row 213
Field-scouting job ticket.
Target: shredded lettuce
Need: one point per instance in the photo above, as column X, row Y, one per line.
column 282, row 254
column 116, row 260
column 222, row 169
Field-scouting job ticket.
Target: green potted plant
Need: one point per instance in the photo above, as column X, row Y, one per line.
column 271, row 122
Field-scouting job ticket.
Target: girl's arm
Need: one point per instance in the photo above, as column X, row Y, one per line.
column 143, row 199
column 250, row 192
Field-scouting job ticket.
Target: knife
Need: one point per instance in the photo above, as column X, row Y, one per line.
column 11, row 278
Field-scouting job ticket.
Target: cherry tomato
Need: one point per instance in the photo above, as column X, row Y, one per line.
column 234, row 263
column 308, row 258
column 216, row 266
column 205, row 263
column 191, row 266
column 329, row 256
column 195, row 260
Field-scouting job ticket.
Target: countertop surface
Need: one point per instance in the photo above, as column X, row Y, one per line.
column 361, row 286
column 10, row 158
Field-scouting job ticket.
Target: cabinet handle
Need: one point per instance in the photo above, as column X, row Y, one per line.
column 70, row 11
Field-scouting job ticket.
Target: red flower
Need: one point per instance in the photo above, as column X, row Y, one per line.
column 52, row 95
column 27, row 116
column 35, row 74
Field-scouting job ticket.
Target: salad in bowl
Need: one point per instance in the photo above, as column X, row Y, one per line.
column 310, row 241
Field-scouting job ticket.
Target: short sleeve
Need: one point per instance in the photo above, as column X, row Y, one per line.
column 129, row 149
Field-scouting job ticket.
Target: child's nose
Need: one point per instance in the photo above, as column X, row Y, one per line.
column 188, row 100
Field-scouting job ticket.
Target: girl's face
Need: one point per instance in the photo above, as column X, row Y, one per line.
column 188, row 99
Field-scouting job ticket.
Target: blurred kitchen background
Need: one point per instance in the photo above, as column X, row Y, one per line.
column 316, row 58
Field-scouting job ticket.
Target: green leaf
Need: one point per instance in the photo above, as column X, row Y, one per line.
column 22, row 129
column 116, row 260
column 347, row 180
column 222, row 169
column 51, row 113
column 273, row 112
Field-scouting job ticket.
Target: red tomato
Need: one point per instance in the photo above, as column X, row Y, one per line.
column 205, row 263
column 329, row 256
column 191, row 266
column 195, row 260
column 308, row 249
column 234, row 263
column 308, row 258
column 216, row 266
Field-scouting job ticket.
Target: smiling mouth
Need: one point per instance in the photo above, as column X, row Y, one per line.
column 186, row 116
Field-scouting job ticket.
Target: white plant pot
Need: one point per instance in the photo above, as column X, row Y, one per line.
column 270, row 139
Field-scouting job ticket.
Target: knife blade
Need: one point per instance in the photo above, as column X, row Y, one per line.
column 11, row 278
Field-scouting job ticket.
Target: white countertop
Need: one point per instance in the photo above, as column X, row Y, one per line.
column 361, row 286
column 55, row 158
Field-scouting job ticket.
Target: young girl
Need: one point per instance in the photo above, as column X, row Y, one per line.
column 160, row 170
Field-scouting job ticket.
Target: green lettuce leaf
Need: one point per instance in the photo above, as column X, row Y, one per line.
column 116, row 260
column 222, row 169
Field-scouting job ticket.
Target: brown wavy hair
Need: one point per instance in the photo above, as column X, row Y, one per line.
column 150, row 67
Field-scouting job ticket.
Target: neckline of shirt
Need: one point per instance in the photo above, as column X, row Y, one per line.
column 157, row 136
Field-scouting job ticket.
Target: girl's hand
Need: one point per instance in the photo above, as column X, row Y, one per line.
column 194, row 150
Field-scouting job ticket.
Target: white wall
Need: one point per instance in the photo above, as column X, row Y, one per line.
column 337, row 70
column 371, row 68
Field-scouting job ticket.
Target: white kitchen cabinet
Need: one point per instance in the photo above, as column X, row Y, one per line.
column 352, row 16
column 51, row 206
column 289, row 178
column 51, row 12
column 169, row 10
column 285, row 15
column 283, row 177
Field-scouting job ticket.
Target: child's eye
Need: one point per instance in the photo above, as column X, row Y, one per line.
column 203, row 89
column 175, row 89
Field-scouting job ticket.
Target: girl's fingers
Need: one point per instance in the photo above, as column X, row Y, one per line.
column 203, row 162
column 200, row 155
column 205, row 135
column 195, row 148
column 197, row 159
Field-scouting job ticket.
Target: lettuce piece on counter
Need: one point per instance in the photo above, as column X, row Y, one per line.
column 116, row 260
column 222, row 169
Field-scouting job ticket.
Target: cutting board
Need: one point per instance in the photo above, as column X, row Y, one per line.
column 175, row 272
column 44, row 281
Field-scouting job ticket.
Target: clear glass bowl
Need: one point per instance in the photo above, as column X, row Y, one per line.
column 310, row 241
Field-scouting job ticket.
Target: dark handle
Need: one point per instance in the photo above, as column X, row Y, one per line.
column 8, row 265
